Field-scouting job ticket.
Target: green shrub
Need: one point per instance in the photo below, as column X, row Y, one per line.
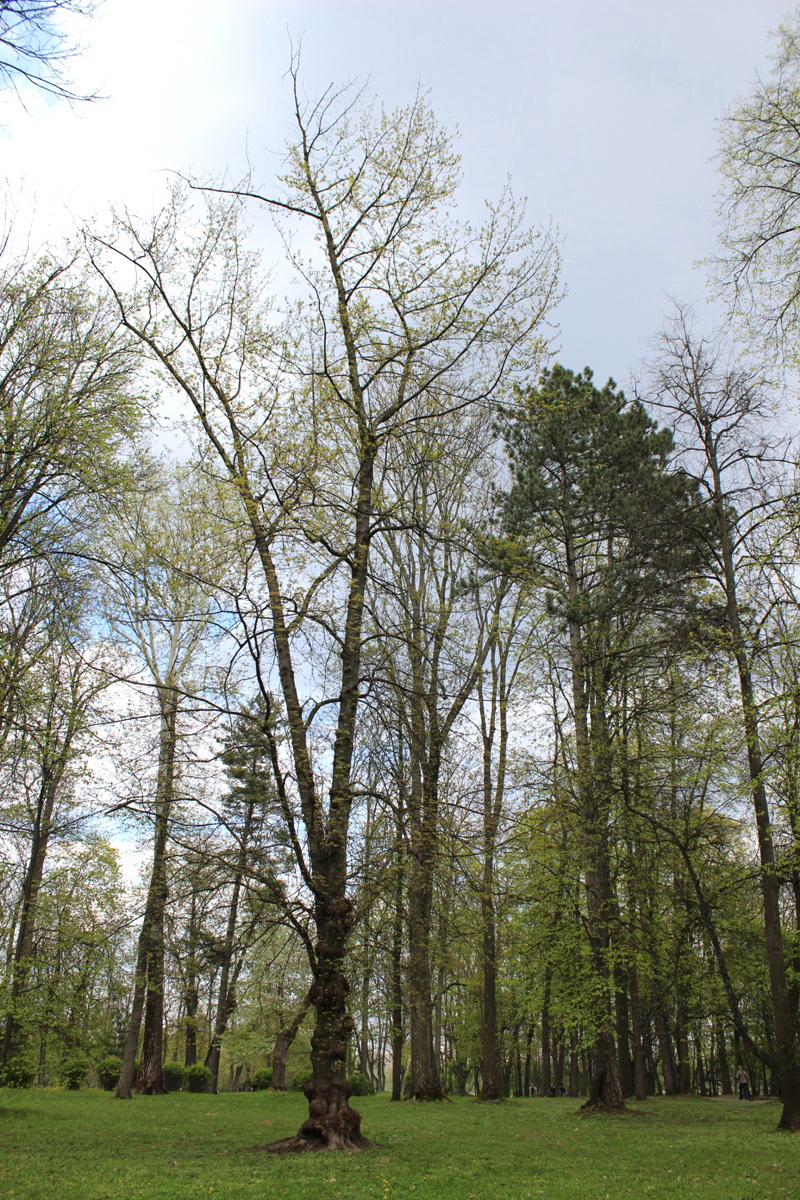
column 198, row 1078
column 300, row 1079
column 108, row 1070
column 360, row 1084
column 261, row 1080
column 19, row 1072
column 175, row 1075
column 74, row 1071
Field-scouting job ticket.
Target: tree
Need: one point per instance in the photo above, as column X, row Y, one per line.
column 68, row 411
column 506, row 611
column 248, row 805
column 40, row 776
column 758, row 269
column 408, row 315
column 719, row 413
column 33, row 49
column 611, row 536
column 433, row 649
column 165, row 559
column 75, row 981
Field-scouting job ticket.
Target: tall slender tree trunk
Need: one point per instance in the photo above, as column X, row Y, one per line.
column 622, row 1010
column 191, row 995
column 426, row 1083
column 592, row 752
column 23, row 949
column 493, row 792
column 398, row 1033
column 784, row 1016
column 283, row 1043
column 724, row 1067
column 546, row 1077
column 684, row 1062
column 573, row 1087
column 637, row 1034
column 364, row 1064
column 227, row 982
column 668, row 1067
column 148, row 996
column 528, row 1072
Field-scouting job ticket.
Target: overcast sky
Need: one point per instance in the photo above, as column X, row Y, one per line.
column 603, row 112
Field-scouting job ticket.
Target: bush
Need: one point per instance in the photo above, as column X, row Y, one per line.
column 74, row 1071
column 19, row 1073
column 261, row 1080
column 300, row 1079
column 108, row 1072
column 360, row 1084
column 198, row 1078
column 175, row 1075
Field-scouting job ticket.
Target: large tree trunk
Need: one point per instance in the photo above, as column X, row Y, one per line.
column 125, row 1082
column 605, row 1090
column 331, row 1123
column 426, row 1081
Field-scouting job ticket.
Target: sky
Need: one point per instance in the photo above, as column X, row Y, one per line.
column 603, row 113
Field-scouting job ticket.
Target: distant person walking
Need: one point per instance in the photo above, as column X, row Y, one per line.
column 744, row 1084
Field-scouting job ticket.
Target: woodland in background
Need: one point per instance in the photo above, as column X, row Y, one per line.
column 450, row 699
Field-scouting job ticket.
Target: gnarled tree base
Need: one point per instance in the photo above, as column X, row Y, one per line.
column 429, row 1094
column 790, row 1120
column 341, row 1132
column 597, row 1106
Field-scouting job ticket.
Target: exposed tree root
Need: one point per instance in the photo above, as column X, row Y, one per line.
column 789, row 1122
column 338, row 1128
column 308, row 1144
column 614, row 1110
column 430, row 1095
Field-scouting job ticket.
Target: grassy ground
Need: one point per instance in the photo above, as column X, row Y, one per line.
column 87, row 1146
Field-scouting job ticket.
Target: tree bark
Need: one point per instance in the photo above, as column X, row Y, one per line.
column 32, row 882
column 398, row 1033
column 227, row 983
column 546, row 1077
column 637, row 1032
column 191, row 995
column 149, row 980
column 592, row 750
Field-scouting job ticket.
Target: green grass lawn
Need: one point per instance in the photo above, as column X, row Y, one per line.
column 87, row 1146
